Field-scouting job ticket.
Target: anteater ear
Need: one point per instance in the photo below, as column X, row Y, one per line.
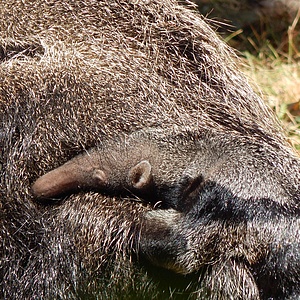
column 140, row 176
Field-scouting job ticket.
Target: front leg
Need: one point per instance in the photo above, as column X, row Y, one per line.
column 184, row 244
column 178, row 241
column 161, row 241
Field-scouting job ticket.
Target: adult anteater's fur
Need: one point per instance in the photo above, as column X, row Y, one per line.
column 76, row 72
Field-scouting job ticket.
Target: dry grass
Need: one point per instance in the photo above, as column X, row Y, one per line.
column 280, row 87
column 276, row 73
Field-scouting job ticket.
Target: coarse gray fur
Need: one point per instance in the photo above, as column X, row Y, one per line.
column 77, row 73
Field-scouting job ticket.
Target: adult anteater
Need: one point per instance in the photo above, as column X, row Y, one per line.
column 76, row 73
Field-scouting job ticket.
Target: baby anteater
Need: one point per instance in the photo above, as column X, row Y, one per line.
column 129, row 165
column 211, row 204
column 113, row 167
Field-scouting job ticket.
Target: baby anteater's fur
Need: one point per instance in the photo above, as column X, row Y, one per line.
column 130, row 165
column 76, row 74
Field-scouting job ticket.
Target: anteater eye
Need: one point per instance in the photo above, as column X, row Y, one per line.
column 191, row 189
column 193, row 185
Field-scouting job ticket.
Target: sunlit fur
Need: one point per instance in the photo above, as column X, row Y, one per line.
column 73, row 73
